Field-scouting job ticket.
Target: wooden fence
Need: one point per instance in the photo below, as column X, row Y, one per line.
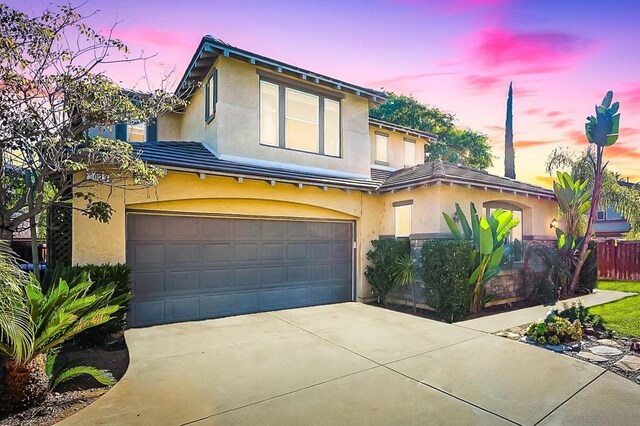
column 619, row 260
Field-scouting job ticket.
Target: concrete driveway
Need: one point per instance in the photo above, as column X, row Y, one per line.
column 352, row 364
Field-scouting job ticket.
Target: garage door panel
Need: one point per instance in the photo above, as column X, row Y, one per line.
column 216, row 230
column 273, row 229
column 148, row 254
column 245, row 302
column 188, row 268
column 183, row 254
column 273, row 251
column 274, row 275
column 297, row 251
column 145, row 228
column 148, row 312
column 184, row 228
column 246, row 229
column 247, row 252
column 245, row 278
column 298, row 274
column 182, row 308
column 217, row 280
column 296, row 230
column 215, row 306
column 218, row 253
column 182, row 281
column 148, row 284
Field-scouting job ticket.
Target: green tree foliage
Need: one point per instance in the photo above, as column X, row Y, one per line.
column 446, row 277
column 623, row 199
column 466, row 146
column 574, row 200
column 489, row 237
column 381, row 271
column 509, row 151
column 53, row 91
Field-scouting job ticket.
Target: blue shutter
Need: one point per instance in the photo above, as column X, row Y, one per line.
column 207, row 87
column 152, row 131
column 121, row 132
column 215, row 90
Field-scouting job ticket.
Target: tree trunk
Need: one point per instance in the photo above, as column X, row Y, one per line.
column 27, row 383
column 593, row 212
column 6, row 235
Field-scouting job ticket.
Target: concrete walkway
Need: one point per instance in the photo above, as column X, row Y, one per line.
column 494, row 323
column 352, row 364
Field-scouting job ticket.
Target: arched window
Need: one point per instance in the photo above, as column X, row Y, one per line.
column 515, row 236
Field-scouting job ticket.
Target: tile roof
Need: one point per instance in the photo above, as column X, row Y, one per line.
column 196, row 157
column 447, row 172
column 210, row 48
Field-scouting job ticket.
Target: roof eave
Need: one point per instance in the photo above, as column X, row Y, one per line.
column 467, row 183
column 209, row 49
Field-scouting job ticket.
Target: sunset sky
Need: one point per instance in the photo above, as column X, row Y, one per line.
column 458, row 55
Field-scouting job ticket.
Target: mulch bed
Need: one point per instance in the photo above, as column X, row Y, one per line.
column 623, row 344
column 71, row 396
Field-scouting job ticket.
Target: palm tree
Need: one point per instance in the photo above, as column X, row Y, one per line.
column 405, row 274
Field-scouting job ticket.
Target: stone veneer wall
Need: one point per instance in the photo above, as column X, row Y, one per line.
column 506, row 287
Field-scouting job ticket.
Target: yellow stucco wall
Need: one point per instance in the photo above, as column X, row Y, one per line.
column 395, row 147
column 373, row 215
column 186, row 193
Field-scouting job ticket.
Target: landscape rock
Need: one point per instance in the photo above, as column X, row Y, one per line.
column 629, row 363
column 555, row 348
column 605, row 351
column 591, row 357
column 608, row 342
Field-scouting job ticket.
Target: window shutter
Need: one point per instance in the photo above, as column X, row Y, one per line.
column 121, row 132
column 152, row 131
column 215, row 91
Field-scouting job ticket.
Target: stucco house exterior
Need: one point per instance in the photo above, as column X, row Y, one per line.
column 277, row 180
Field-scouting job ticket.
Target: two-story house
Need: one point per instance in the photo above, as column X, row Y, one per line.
column 276, row 182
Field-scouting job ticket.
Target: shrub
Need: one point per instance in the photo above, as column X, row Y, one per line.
column 117, row 276
column 554, row 330
column 589, row 272
column 576, row 311
column 446, row 277
column 383, row 259
column 543, row 268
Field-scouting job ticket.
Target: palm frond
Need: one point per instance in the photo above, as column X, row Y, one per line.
column 102, row 376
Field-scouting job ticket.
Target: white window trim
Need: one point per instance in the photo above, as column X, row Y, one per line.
column 277, row 142
column 386, row 150
column 408, row 142
column 324, row 142
column 396, row 211
column 286, row 117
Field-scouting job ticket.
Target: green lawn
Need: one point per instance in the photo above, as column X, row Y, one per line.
column 621, row 316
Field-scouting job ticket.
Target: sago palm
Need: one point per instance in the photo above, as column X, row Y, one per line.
column 56, row 316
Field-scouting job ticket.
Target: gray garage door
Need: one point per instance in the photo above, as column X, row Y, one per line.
column 187, row 268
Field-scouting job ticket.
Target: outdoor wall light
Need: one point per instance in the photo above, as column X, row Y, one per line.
column 554, row 223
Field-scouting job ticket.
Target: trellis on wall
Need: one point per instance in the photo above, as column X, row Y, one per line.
column 59, row 235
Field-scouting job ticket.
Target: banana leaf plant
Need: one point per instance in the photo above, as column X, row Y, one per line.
column 489, row 236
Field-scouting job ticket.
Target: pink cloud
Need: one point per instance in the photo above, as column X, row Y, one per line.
column 561, row 124
column 146, row 36
column 482, row 83
column 524, row 52
column 395, row 80
column 454, row 6
column 533, row 143
column 553, row 114
column 533, row 111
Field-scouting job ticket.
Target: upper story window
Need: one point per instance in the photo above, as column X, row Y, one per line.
column 613, row 215
column 302, row 130
column 403, row 220
column 211, row 96
column 299, row 120
column 409, row 153
column 138, row 132
column 601, row 216
column 382, row 142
